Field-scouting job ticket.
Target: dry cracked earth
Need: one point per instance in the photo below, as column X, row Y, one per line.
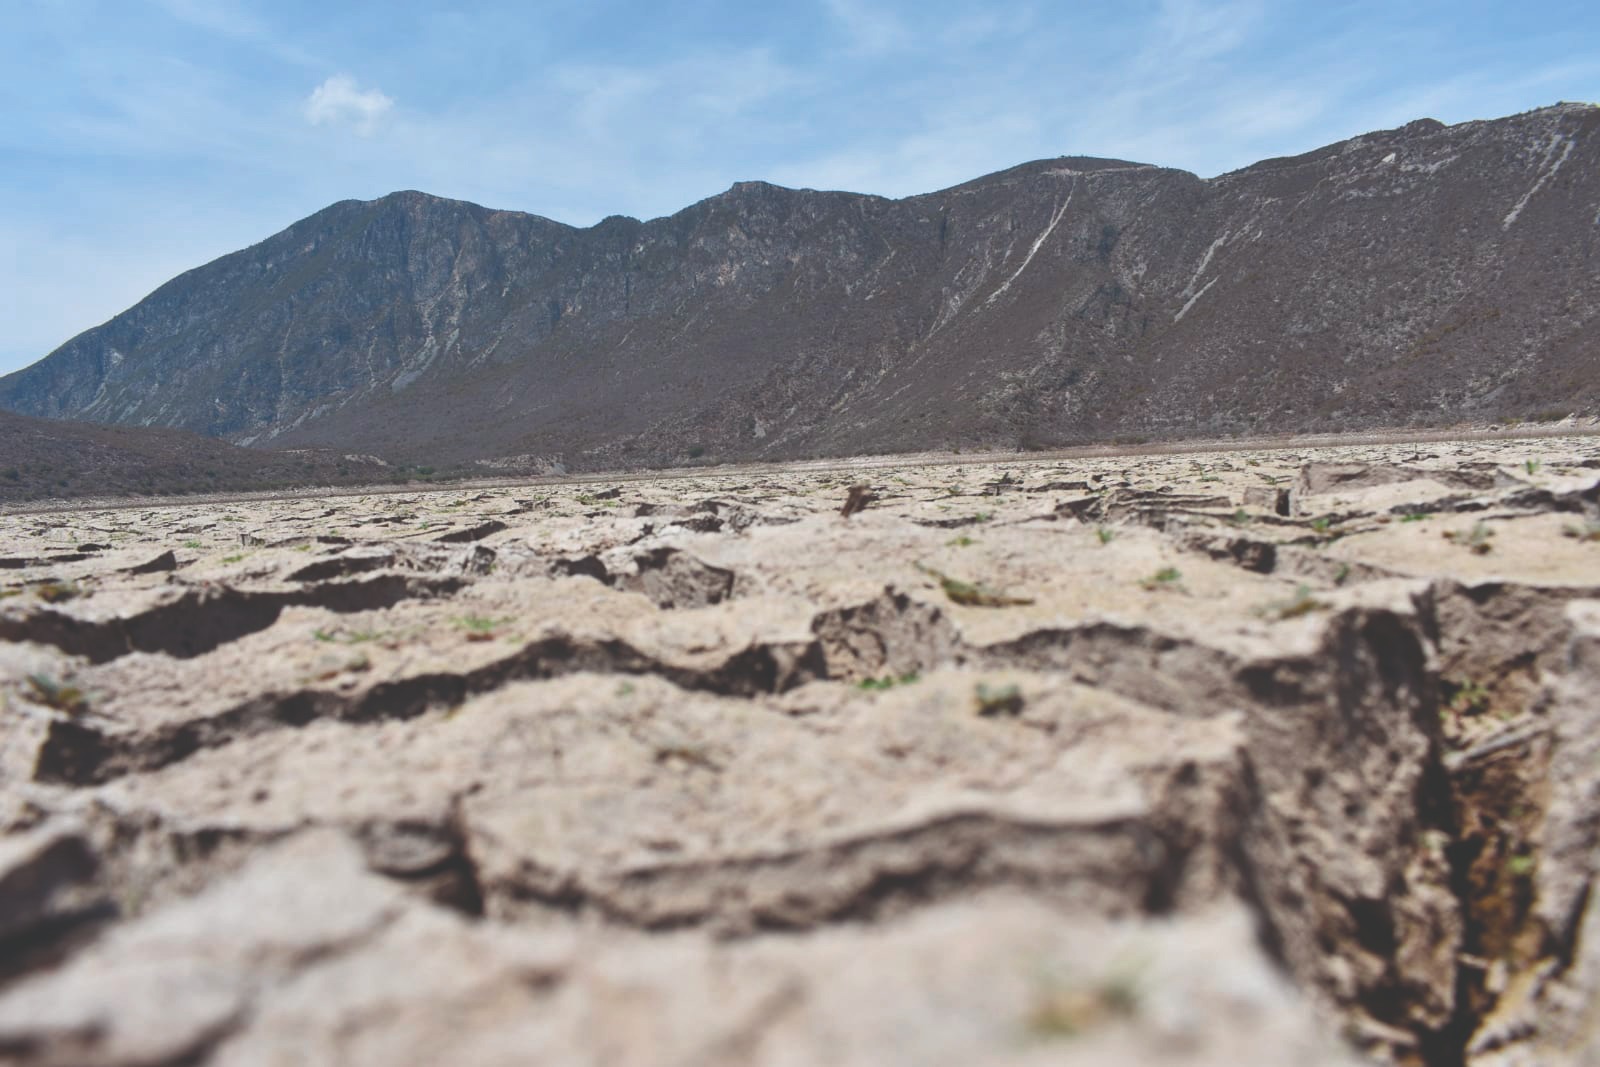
column 1287, row 756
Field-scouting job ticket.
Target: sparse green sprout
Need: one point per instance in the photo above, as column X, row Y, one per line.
column 1477, row 540
column 1321, row 523
column 234, row 558
column 1341, row 575
column 49, row 692
column 1064, row 1011
column 1414, row 516
column 350, row 637
column 1210, row 478
column 1105, row 534
column 57, row 592
column 625, row 689
column 481, row 627
column 1521, row 866
column 1165, row 578
column 1466, row 696
column 1240, row 517
column 1532, row 466
column 961, row 542
column 191, row 543
column 982, row 516
column 971, row 594
column 998, row 700
column 1588, row 531
column 888, row 681
column 1302, row 603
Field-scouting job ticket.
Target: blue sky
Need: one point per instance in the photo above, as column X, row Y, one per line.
column 144, row 137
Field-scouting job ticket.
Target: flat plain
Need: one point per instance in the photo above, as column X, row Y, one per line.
column 1273, row 756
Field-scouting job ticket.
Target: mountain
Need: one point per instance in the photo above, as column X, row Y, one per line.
column 47, row 458
column 1428, row 274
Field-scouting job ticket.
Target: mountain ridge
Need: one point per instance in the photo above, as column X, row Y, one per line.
column 1387, row 279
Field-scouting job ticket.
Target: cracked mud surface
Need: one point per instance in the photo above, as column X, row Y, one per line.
column 1245, row 757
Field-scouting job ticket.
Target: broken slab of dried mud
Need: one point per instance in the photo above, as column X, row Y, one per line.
column 1036, row 748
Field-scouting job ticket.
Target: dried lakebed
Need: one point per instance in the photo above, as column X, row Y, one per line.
column 1245, row 757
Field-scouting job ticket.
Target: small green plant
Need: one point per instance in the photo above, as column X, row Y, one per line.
column 1521, row 866
column 1414, row 516
column 972, row 594
column 1321, row 523
column 350, row 637
column 1341, row 575
column 1476, row 540
column 1063, row 1010
column 1105, row 534
column 235, row 558
column 1165, row 578
column 1302, row 603
column 961, row 542
column 62, row 697
column 998, row 700
column 191, row 543
column 1588, row 531
column 1240, row 517
column 1466, row 696
column 1532, row 466
column 481, row 627
column 57, row 592
column 886, row 682
column 982, row 516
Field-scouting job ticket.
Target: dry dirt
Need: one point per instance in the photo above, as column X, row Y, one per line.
column 1267, row 757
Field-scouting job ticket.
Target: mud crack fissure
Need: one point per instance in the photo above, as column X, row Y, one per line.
column 1346, row 702
column 201, row 620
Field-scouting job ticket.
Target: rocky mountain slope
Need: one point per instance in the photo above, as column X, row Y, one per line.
column 1420, row 275
column 46, row 458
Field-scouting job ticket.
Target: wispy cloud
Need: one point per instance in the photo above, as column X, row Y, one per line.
column 233, row 20
column 339, row 101
column 868, row 28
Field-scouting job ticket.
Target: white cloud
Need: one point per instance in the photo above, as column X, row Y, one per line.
column 340, row 102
